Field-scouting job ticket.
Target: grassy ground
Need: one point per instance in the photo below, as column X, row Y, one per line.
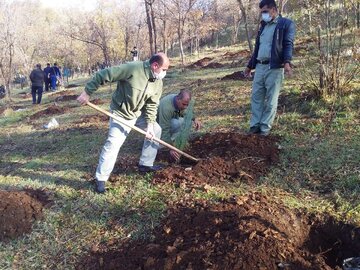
column 319, row 168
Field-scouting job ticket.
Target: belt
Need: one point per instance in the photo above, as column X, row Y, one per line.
column 265, row 62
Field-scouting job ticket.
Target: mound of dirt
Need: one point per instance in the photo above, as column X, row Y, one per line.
column 72, row 85
column 224, row 157
column 214, row 65
column 25, row 94
column 202, row 62
column 243, row 53
column 63, row 93
column 249, row 232
column 98, row 101
column 19, row 210
column 52, row 110
column 66, row 98
column 93, row 119
column 238, row 75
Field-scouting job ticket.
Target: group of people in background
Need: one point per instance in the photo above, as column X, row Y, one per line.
column 50, row 76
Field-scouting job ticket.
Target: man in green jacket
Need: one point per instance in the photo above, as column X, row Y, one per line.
column 171, row 112
column 139, row 88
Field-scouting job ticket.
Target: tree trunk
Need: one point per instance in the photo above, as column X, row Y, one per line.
column 243, row 11
column 150, row 28
column 153, row 27
column 358, row 14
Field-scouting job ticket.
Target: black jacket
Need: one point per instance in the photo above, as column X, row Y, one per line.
column 37, row 77
column 282, row 45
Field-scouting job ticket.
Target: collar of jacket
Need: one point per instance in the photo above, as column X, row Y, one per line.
column 148, row 72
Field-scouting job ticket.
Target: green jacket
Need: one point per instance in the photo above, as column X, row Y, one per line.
column 166, row 112
column 137, row 90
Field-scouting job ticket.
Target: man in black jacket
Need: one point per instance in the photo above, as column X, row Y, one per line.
column 47, row 76
column 272, row 55
column 37, row 81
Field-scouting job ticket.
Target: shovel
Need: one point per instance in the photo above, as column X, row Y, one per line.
column 141, row 131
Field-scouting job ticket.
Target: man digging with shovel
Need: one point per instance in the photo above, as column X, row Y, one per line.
column 135, row 101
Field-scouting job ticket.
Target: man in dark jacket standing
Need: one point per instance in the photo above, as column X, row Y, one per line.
column 272, row 56
column 37, row 82
column 54, row 75
column 47, row 76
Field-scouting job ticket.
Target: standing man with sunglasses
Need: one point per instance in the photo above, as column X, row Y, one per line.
column 272, row 56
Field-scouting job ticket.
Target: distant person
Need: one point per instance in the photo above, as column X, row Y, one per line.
column 272, row 55
column 54, row 75
column 139, row 88
column 37, row 84
column 47, row 77
column 134, row 53
column 66, row 74
column 171, row 112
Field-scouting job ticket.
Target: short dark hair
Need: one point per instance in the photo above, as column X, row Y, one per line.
column 55, row 64
column 268, row 3
column 184, row 93
column 38, row 66
column 157, row 58
column 48, row 64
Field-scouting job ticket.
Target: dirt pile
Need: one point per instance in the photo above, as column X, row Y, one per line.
column 93, row 119
column 238, row 75
column 66, row 98
column 206, row 63
column 249, row 232
column 25, row 94
column 224, row 157
column 19, row 210
column 239, row 54
column 98, row 101
column 202, row 62
column 52, row 110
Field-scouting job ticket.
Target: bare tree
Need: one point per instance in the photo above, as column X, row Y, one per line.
column 179, row 11
column 245, row 19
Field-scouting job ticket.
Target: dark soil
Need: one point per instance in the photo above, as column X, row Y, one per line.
column 214, row 65
column 98, row 101
column 202, row 62
column 66, row 98
column 25, row 94
column 224, row 157
column 19, row 210
column 249, row 232
column 72, row 85
column 239, row 54
column 93, row 119
column 63, row 93
column 52, row 110
column 238, row 75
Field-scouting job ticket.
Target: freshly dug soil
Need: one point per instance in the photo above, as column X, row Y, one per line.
column 93, row 119
column 19, row 210
column 66, row 98
column 249, row 232
column 214, row 65
column 52, row 110
column 202, row 62
column 243, row 53
column 224, row 157
column 98, row 101
column 238, row 75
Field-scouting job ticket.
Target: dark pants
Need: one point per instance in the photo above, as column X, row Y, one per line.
column 53, row 82
column 36, row 90
column 47, row 83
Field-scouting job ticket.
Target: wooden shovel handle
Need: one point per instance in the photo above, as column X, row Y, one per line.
column 119, row 119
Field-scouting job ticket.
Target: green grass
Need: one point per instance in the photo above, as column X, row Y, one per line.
column 318, row 169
